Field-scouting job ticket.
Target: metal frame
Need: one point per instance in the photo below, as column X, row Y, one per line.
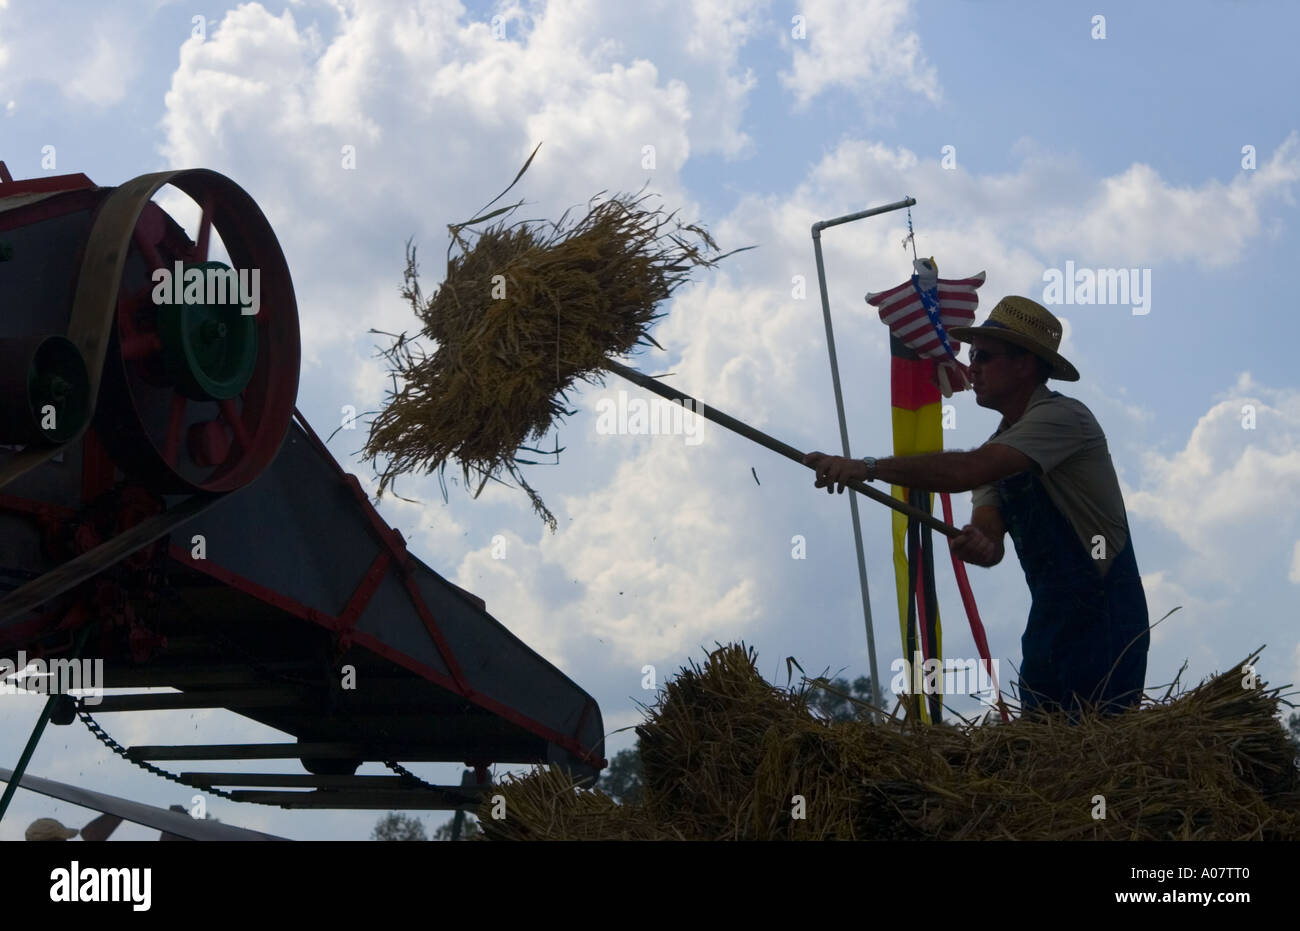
column 839, row 409
column 21, row 201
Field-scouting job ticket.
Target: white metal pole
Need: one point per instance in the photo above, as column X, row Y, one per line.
column 839, row 408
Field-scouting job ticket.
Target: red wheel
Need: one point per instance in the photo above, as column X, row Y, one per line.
column 197, row 389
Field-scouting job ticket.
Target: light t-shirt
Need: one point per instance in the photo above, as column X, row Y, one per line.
column 1073, row 462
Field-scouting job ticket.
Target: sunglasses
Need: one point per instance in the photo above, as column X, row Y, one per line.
column 980, row 356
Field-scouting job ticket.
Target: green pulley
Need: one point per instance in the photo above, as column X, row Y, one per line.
column 210, row 345
column 44, row 390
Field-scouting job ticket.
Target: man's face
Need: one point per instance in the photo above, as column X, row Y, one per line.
column 998, row 376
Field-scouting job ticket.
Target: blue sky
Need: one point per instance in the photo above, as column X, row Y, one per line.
column 1122, row 152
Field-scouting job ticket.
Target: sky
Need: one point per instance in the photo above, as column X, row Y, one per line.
column 1031, row 136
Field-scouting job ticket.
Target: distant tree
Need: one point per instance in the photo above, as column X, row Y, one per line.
column 836, row 707
column 468, row 828
column 394, row 826
column 622, row 779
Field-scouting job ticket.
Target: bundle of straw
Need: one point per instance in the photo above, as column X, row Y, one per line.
column 522, row 314
column 725, row 754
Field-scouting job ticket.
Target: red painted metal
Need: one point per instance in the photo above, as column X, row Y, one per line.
column 271, row 597
column 329, row 622
column 53, row 184
column 393, row 539
column 175, row 422
column 209, row 443
column 344, row 623
column 389, row 536
column 496, row 707
column 365, row 588
column 234, row 419
column 397, row 546
column 47, row 207
column 139, row 347
column 97, row 471
column 439, row 641
column 37, row 509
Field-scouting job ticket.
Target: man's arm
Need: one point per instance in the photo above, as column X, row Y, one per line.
column 945, row 471
column 980, row 541
column 101, row 827
column 955, row 470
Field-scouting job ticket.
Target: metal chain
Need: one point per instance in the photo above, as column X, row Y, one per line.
column 252, row 661
column 407, row 774
column 108, row 741
column 103, row 737
column 911, row 236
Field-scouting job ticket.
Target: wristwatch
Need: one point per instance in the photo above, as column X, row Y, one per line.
column 871, row 467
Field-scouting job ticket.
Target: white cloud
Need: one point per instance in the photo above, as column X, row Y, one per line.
column 92, row 58
column 450, row 102
column 697, row 45
column 862, row 45
column 1294, row 574
column 648, row 567
column 1192, row 618
column 1139, row 218
column 1226, row 493
column 719, row 29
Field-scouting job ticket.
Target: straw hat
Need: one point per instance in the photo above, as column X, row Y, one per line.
column 49, row 829
column 1027, row 324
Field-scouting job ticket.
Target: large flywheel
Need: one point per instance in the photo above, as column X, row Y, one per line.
column 201, row 370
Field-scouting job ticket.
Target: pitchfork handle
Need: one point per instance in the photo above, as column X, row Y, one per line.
column 745, row 430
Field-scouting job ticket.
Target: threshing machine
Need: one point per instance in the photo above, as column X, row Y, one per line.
column 164, row 507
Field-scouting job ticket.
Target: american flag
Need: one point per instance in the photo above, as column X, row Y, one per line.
column 903, row 311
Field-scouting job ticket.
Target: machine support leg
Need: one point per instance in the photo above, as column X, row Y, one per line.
column 37, row 731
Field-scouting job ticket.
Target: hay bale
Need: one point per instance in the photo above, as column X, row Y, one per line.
column 708, row 724
column 544, row 806
column 724, row 753
column 524, row 312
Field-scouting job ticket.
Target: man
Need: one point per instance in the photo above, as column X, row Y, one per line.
column 48, row 829
column 1046, row 476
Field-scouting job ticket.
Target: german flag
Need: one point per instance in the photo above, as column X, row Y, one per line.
column 918, row 428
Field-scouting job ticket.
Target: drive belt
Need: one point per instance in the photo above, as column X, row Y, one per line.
column 90, row 329
column 95, row 301
column 90, row 563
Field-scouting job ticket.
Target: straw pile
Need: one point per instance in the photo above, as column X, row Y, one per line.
column 526, row 309
column 724, row 753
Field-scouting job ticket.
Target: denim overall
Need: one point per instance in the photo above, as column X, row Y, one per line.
column 1080, row 625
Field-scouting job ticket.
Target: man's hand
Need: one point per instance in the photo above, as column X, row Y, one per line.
column 833, row 469
column 974, row 546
